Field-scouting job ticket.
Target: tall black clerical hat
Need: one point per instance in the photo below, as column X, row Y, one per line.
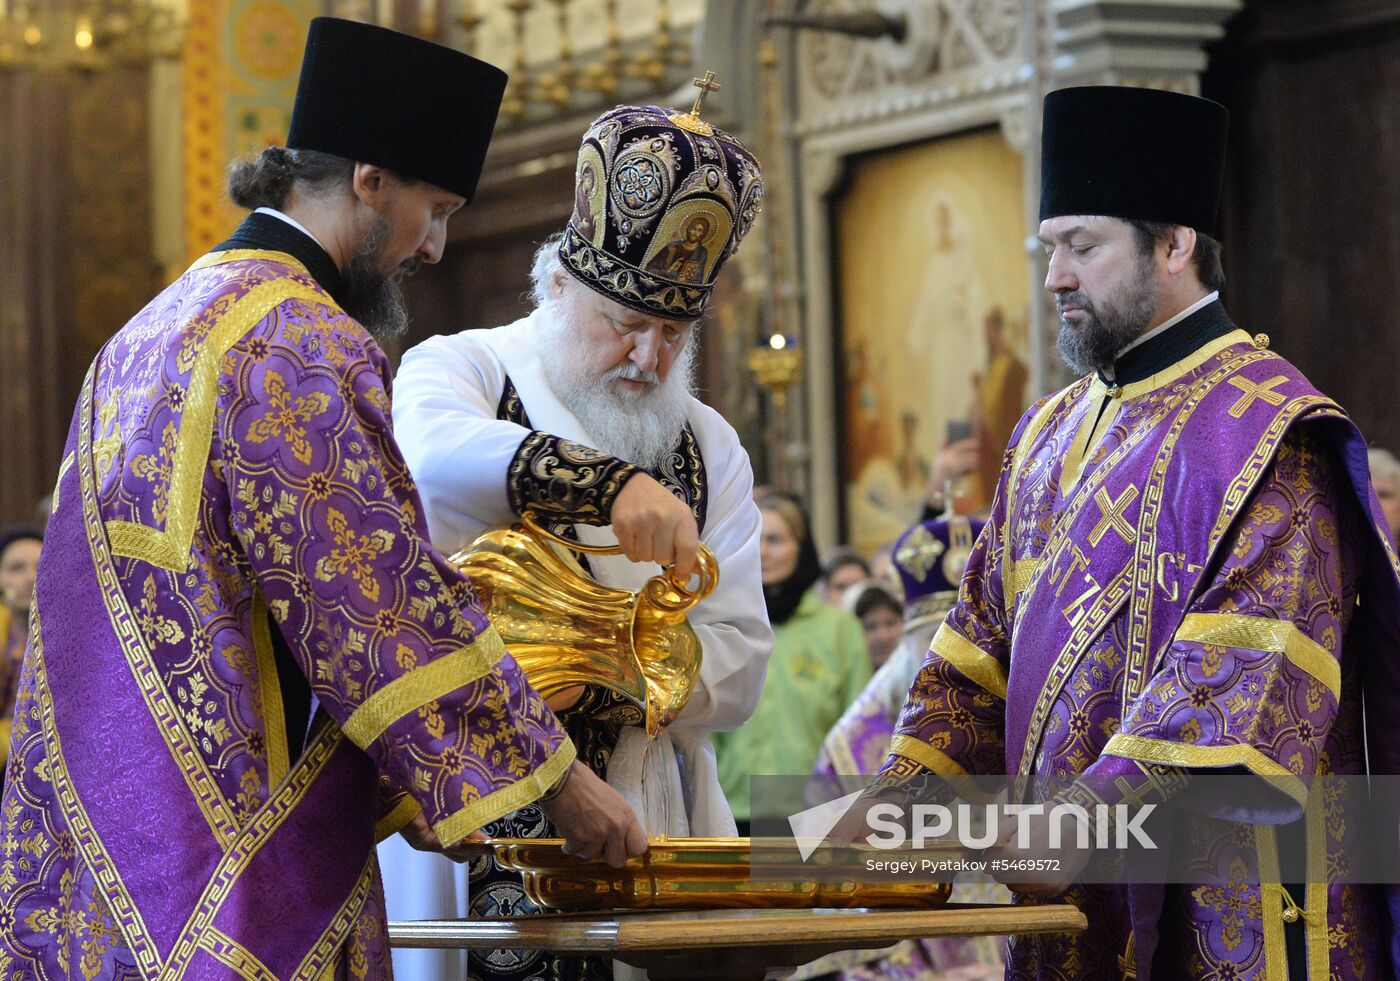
column 377, row 96
column 1133, row 153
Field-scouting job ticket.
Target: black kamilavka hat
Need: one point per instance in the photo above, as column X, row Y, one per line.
column 376, row 96
column 1133, row 153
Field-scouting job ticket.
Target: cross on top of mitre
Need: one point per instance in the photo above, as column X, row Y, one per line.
column 691, row 120
column 706, row 85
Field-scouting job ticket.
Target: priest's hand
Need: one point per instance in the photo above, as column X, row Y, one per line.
column 653, row 525
column 854, row 826
column 597, row 823
column 419, row 833
column 1030, row 866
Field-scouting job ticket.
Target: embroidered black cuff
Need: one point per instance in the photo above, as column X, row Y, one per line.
column 556, row 477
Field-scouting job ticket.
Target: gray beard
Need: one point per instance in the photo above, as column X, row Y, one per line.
column 642, row 428
column 1103, row 331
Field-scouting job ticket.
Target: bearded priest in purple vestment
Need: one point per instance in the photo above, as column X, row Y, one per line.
column 583, row 413
column 1185, row 572
column 247, row 664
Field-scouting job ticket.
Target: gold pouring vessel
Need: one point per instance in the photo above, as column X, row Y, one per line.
column 565, row 630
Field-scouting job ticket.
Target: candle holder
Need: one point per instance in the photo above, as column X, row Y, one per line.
column 777, row 365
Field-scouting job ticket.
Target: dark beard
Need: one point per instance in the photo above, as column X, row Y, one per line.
column 1101, row 333
column 371, row 297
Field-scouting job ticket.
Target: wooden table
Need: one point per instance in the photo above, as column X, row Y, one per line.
column 738, row 945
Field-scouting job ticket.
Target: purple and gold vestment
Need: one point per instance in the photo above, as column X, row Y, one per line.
column 231, row 485
column 1206, row 587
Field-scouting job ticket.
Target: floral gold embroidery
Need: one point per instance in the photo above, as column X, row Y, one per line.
column 1191, row 732
column 87, row 930
column 1236, row 901
column 106, row 448
column 287, row 418
column 158, row 629
column 157, row 468
column 354, row 554
column 1212, row 658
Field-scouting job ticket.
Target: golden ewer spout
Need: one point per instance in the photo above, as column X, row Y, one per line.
column 564, row 629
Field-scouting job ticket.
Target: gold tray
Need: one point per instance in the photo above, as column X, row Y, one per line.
column 712, row 873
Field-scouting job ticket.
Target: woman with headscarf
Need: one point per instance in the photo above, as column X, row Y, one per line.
column 819, row 663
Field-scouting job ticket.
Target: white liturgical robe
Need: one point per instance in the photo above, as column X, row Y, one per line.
column 445, row 405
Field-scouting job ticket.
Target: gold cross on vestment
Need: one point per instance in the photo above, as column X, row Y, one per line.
column 1252, row 391
column 706, row 85
column 1134, row 796
column 1112, row 514
column 919, row 553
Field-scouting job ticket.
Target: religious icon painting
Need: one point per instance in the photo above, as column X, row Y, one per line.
column 589, row 196
column 689, row 241
column 933, row 304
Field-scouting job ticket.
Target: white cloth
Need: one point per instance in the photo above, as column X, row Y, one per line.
column 445, row 402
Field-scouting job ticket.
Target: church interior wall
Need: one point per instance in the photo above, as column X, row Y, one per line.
column 107, row 195
column 76, row 255
column 962, row 68
column 1312, row 202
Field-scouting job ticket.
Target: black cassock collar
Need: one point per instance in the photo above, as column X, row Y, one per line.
column 1177, row 342
column 264, row 231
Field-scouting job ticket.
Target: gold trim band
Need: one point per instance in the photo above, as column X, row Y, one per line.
column 1145, row 749
column 1268, row 636
column 397, row 819
column 235, row 956
column 843, row 757
column 1022, row 571
column 270, row 693
column 63, row 469
column 169, row 547
column 422, row 685
column 933, row 760
column 1186, row 365
column 211, row 259
column 1270, row 903
column 980, row 667
column 484, row 810
column 1315, row 916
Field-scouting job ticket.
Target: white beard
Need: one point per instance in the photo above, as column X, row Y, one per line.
column 643, row 427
